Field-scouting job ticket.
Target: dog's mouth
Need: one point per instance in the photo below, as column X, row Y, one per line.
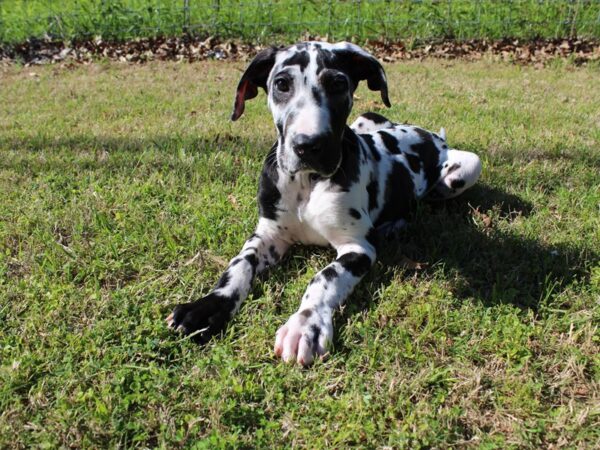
column 303, row 168
column 324, row 167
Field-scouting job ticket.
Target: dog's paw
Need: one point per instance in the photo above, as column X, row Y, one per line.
column 203, row 318
column 305, row 335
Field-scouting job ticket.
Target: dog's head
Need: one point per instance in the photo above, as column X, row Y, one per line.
column 310, row 87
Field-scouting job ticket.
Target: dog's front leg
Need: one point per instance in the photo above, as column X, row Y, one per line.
column 209, row 315
column 309, row 331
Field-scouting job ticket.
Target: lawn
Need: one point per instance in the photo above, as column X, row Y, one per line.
column 125, row 189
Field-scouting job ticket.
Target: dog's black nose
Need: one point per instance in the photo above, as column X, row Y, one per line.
column 306, row 146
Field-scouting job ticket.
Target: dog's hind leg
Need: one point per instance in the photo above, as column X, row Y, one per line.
column 459, row 172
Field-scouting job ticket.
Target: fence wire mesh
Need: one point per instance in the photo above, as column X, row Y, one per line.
column 290, row 19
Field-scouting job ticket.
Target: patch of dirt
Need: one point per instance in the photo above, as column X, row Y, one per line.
column 192, row 48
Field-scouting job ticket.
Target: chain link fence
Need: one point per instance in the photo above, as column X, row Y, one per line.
column 260, row 21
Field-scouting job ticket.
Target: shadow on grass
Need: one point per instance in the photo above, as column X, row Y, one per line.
column 491, row 265
column 487, row 265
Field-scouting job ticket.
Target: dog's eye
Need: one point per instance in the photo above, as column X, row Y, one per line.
column 282, row 85
column 338, row 85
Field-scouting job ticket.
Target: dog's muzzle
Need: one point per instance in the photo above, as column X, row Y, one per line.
column 317, row 152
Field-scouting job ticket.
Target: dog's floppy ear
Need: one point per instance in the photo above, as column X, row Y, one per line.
column 361, row 65
column 255, row 76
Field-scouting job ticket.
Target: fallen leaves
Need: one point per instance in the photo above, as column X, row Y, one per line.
column 192, row 48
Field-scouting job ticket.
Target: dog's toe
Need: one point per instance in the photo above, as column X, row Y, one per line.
column 301, row 339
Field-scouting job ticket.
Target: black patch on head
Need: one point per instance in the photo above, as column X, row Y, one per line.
column 457, row 184
column 349, row 170
column 268, row 194
column 316, row 95
column 429, row 155
column 373, row 190
column 273, row 252
column 371, row 144
column 390, row 142
column 414, row 162
column 301, row 58
column 329, row 273
column 354, row 213
column 374, row 117
column 235, row 261
column 399, row 195
column 223, row 280
column 356, row 263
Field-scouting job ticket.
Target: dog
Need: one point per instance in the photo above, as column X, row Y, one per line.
column 325, row 183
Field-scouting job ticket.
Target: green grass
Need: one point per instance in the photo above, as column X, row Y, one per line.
column 124, row 188
column 261, row 20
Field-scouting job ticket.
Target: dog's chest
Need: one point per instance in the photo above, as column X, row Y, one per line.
column 308, row 210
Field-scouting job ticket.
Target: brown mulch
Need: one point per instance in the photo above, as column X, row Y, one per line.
column 188, row 48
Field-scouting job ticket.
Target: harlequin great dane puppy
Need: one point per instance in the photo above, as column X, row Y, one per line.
column 324, row 184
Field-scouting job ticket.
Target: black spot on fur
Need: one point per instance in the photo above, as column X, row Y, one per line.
column 354, row 213
column 372, row 147
column 444, row 146
column 273, row 252
column 429, row 155
column 356, row 263
column 349, row 169
column 457, row 184
column 373, row 190
column 414, row 162
column 223, row 281
column 268, row 194
column 403, row 130
column 316, row 95
column 253, row 260
column 306, row 313
column 316, row 331
column 374, row 117
column 235, row 261
column 390, row 142
column 399, row 195
column 301, row 58
column 329, row 273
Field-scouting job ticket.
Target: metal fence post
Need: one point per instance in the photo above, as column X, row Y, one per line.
column 186, row 16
